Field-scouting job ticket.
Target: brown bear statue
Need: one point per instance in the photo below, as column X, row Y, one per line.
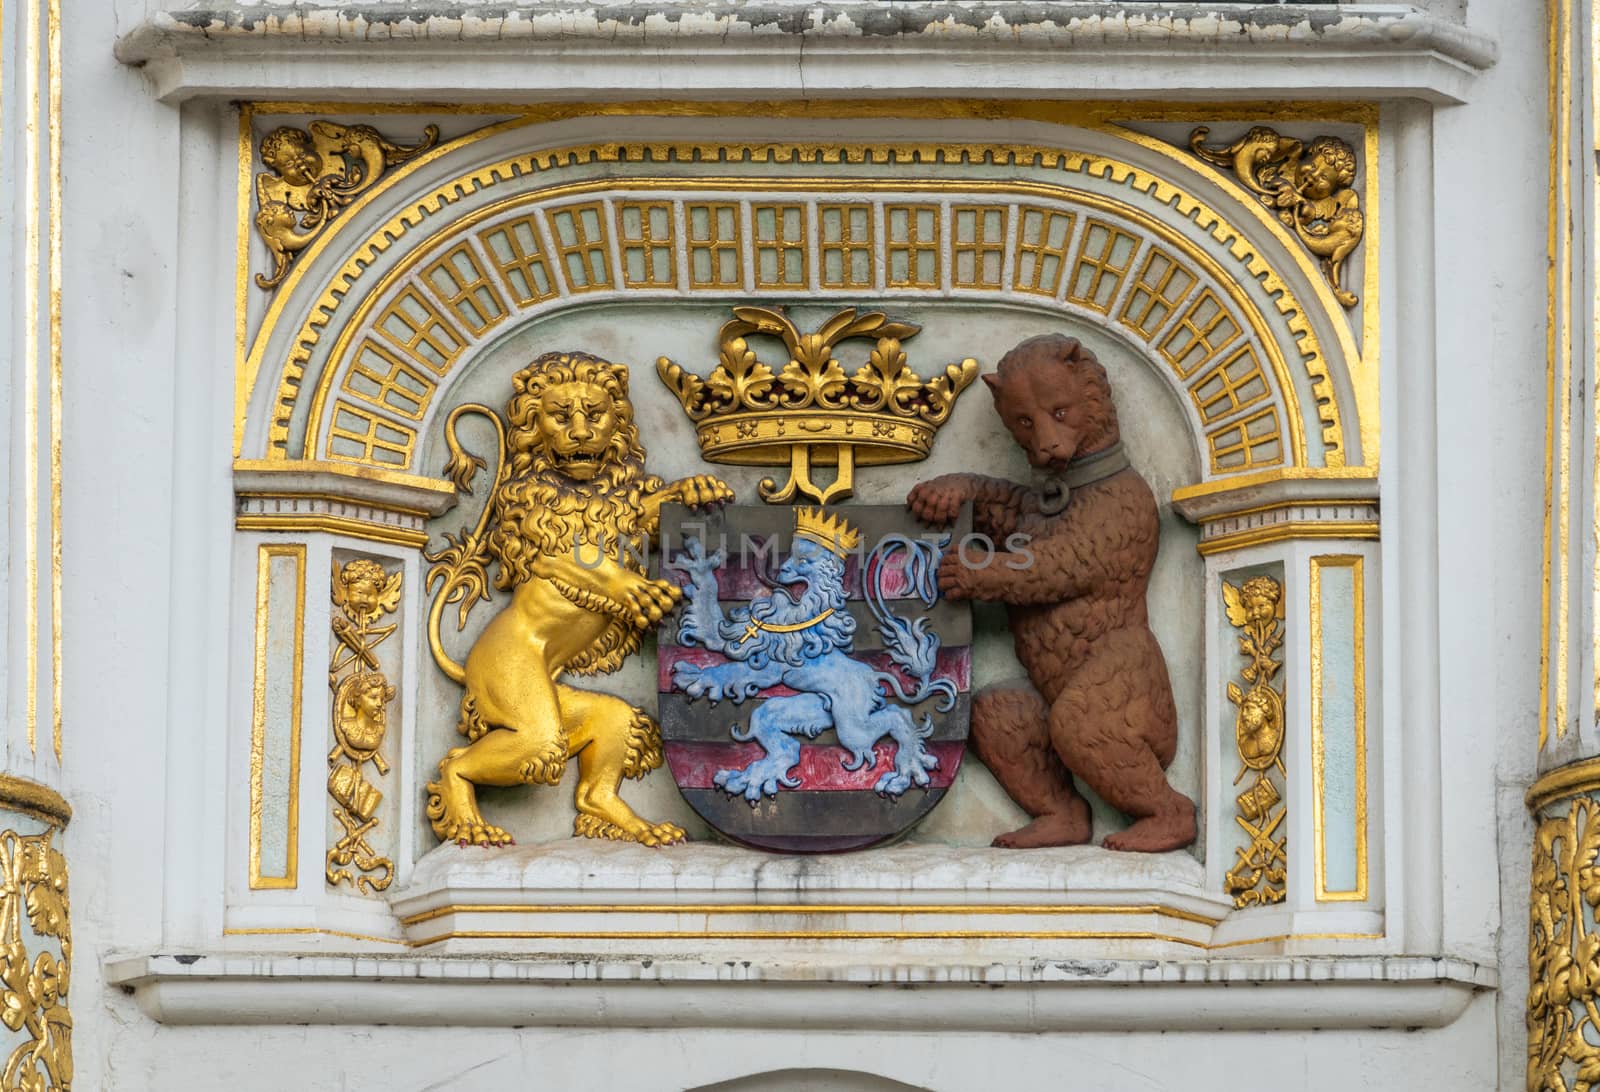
column 1073, row 572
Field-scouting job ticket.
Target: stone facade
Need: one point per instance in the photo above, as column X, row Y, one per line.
column 227, row 400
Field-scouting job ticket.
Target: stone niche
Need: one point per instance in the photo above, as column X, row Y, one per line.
column 1247, row 393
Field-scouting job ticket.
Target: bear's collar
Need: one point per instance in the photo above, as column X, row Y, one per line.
column 1057, row 491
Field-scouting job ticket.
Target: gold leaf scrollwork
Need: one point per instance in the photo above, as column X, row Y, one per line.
column 33, row 990
column 1307, row 185
column 313, row 176
column 1256, row 610
column 363, row 593
column 1564, row 952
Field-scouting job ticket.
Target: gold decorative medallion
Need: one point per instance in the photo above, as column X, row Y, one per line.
column 364, row 593
column 33, row 991
column 810, row 412
column 1308, row 184
column 1256, row 609
column 1564, row 952
column 312, row 176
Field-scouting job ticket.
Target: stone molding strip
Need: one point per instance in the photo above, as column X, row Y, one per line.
column 1057, row 34
column 31, row 798
column 262, row 989
column 303, row 497
column 1564, row 781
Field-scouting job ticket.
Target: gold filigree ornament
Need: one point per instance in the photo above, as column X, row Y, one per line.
column 1257, row 610
column 1564, row 952
column 312, row 176
column 33, row 988
column 363, row 593
column 811, row 412
column 567, row 521
column 1308, row 185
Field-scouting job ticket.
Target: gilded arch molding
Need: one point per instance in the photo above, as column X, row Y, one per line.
column 1316, row 380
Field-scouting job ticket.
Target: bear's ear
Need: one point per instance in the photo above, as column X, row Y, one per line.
column 993, row 382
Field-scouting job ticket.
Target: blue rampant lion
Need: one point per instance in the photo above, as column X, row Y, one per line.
column 803, row 643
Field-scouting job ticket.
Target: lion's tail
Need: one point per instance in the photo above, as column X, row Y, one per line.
column 926, row 688
column 459, row 566
column 446, row 662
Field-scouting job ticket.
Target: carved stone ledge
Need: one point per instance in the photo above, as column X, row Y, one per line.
column 943, row 903
column 1294, row 519
column 1032, row 995
column 238, row 50
column 1278, row 508
column 357, row 501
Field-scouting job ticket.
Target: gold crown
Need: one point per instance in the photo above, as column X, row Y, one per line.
column 811, row 412
column 825, row 530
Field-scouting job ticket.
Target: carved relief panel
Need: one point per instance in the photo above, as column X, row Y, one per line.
column 451, row 354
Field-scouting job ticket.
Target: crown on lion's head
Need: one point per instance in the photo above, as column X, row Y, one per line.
column 829, row 531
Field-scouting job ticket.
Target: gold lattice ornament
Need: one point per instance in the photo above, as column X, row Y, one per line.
column 812, row 412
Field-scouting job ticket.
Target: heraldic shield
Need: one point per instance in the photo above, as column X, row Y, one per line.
column 814, row 687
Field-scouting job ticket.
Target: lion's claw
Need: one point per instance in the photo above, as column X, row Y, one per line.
column 661, row 834
column 702, row 490
column 468, row 833
column 761, row 778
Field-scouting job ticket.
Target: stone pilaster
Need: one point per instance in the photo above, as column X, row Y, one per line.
column 35, row 928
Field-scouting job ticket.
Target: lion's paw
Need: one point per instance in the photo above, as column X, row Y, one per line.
column 892, row 783
column 454, row 818
column 592, row 826
column 648, row 834
column 474, row 834
column 897, row 781
column 661, row 834
column 752, row 783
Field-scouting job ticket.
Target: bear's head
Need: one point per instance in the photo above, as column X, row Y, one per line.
column 1054, row 397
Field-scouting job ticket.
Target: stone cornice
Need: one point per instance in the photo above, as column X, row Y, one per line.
column 1321, row 50
column 1043, row 995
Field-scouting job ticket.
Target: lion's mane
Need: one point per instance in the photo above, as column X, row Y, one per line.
column 781, row 608
column 539, row 510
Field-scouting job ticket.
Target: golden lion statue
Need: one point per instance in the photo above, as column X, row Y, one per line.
column 567, row 523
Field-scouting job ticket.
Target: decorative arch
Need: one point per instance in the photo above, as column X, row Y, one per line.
column 1086, row 234
column 812, row 1080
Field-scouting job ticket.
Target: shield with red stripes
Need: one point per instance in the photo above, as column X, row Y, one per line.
column 814, row 687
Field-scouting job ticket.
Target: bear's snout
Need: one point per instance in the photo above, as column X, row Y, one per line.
column 1054, row 446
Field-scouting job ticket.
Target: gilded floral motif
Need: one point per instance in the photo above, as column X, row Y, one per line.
column 312, row 175
column 1256, row 610
column 33, row 987
column 1564, row 952
column 1307, row 185
column 364, row 593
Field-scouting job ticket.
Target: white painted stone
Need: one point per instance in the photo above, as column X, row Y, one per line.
column 149, row 654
